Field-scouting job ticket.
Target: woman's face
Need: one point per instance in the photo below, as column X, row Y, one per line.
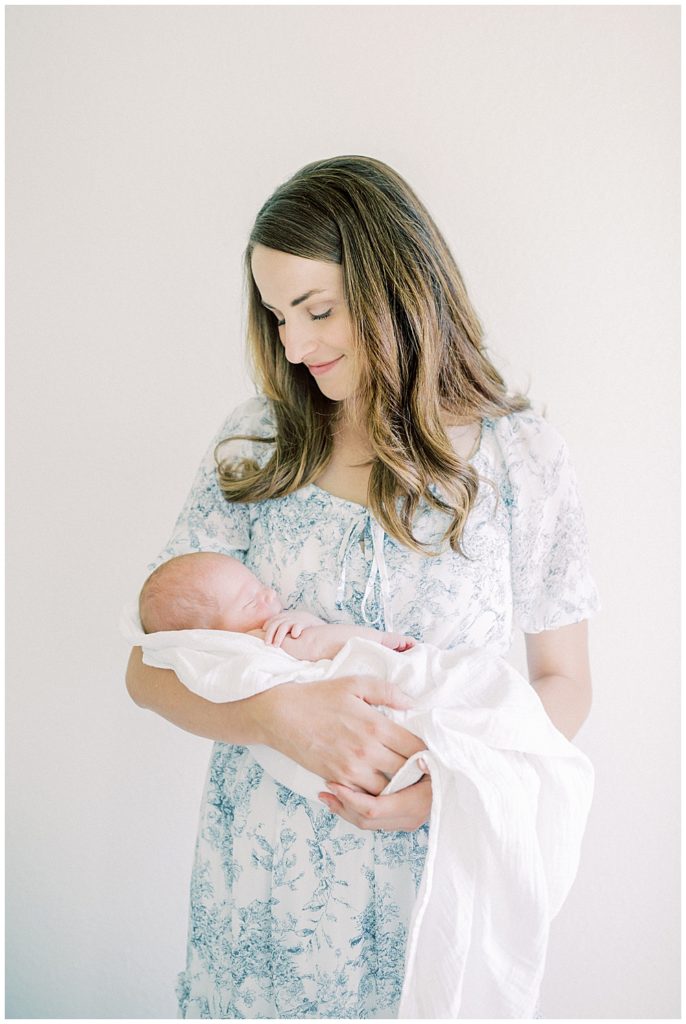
column 306, row 298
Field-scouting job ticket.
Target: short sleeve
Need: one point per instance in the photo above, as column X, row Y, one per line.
column 208, row 522
column 552, row 585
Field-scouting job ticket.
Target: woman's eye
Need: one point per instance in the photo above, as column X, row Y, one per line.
column 313, row 316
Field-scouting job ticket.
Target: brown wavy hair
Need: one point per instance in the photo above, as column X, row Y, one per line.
column 417, row 347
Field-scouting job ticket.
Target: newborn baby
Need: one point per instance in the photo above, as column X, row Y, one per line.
column 204, row 590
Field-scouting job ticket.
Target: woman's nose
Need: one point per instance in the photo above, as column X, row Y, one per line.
column 298, row 343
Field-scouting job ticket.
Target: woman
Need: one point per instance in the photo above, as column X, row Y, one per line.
column 383, row 476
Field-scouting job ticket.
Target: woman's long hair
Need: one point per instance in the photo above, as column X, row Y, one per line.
column 417, row 348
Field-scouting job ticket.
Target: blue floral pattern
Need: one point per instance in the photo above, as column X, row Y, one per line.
column 294, row 912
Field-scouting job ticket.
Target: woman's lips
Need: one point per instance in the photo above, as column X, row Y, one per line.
column 317, row 368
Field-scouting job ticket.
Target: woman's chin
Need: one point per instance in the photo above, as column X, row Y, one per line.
column 333, row 393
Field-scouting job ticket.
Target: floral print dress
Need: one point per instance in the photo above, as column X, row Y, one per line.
column 295, row 913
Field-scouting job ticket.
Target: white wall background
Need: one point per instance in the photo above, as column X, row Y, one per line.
column 141, row 143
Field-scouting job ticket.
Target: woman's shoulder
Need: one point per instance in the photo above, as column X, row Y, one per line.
column 526, row 438
column 527, row 455
column 254, row 416
column 247, row 433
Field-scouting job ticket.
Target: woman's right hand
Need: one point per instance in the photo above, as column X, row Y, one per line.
column 330, row 728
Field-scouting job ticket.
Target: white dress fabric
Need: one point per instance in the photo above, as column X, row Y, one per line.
column 294, row 912
column 510, row 801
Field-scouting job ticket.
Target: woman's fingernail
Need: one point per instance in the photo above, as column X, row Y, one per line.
column 422, row 764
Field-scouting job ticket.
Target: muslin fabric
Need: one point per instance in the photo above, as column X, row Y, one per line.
column 294, row 913
column 510, row 800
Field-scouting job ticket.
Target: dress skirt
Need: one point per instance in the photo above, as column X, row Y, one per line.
column 295, row 913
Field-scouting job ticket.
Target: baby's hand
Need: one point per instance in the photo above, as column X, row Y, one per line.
column 286, row 624
column 396, row 641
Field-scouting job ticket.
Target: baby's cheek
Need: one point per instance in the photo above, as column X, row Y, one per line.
column 273, row 605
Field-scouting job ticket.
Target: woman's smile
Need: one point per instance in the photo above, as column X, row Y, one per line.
column 318, row 368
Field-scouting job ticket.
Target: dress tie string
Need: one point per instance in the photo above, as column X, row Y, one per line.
column 384, row 619
column 354, row 531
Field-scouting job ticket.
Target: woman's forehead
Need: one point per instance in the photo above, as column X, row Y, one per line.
column 286, row 273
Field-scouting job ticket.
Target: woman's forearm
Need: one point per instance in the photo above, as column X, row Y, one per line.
column 159, row 690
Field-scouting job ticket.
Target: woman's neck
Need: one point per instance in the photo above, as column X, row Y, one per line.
column 349, row 435
column 347, row 473
column 352, row 439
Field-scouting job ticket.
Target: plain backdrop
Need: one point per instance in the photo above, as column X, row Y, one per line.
column 141, row 141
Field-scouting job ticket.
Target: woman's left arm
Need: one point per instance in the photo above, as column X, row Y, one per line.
column 560, row 673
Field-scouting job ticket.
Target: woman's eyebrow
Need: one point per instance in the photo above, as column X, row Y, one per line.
column 301, row 298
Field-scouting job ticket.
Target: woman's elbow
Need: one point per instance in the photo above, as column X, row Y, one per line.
column 589, row 698
column 133, row 678
column 584, row 704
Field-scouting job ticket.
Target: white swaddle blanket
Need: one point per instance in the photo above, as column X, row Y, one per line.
column 511, row 797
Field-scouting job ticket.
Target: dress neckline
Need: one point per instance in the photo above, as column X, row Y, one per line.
column 336, row 497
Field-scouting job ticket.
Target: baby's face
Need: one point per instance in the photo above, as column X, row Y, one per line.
column 245, row 602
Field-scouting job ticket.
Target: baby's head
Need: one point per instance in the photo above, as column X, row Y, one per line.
column 205, row 591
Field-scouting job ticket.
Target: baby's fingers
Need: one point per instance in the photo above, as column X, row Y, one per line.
column 269, row 631
column 273, row 626
column 282, row 632
column 396, row 642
